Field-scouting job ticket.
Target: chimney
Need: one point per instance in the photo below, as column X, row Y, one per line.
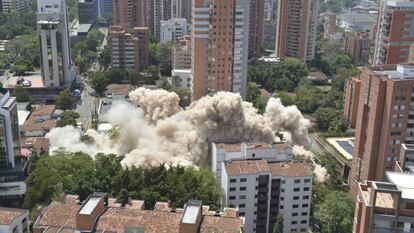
column 91, row 210
column 191, row 219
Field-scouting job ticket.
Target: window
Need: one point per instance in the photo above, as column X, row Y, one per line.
column 305, row 205
column 253, row 155
column 282, row 190
column 232, row 197
column 303, row 230
column 281, row 207
column 242, row 205
column 294, row 214
column 295, row 206
column 241, row 213
column 294, row 222
column 232, row 189
column 242, row 197
column 296, row 198
column 306, row 189
column 282, row 198
column 242, row 188
column 305, row 197
column 243, row 179
column 303, row 221
column 297, row 181
column 283, row 181
column 304, row 213
column 296, row 189
column 307, row 180
column 232, row 180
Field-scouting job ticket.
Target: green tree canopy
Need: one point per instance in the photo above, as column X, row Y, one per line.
column 335, row 213
column 21, row 94
column 68, row 118
column 64, row 100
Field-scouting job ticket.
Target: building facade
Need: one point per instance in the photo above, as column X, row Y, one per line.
column 351, row 100
column 220, row 33
column 329, row 24
column 131, row 13
column 385, row 207
column 261, row 191
column 128, row 50
column 395, row 32
column 100, row 213
column 8, row 6
column 357, row 45
column 87, row 11
column 182, row 54
column 105, row 7
column 296, row 29
column 384, row 121
column 14, row 220
column 256, row 27
column 181, row 9
column 53, row 30
column 13, row 171
column 406, row 160
column 172, row 29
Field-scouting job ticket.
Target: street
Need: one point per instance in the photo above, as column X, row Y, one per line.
column 86, row 106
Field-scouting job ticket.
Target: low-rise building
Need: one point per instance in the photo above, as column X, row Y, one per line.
column 406, row 160
column 14, row 220
column 262, row 190
column 98, row 213
column 181, row 78
column 385, row 207
column 172, row 29
column 128, row 50
column 356, row 22
column 39, row 122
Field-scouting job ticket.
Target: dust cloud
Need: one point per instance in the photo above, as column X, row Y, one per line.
column 153, row 129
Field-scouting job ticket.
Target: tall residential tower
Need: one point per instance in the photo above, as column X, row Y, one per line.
column 296, row 29
column 220, row 34
column 52, row 26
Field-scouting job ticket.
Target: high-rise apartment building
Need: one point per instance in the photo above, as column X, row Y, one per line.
column 296, row 29
column 182, row 54
column 128, row 49
column 384, row 120
column 262, row 190
column 329, row 25
column 256, row 27
column 351, row 100
column 53, row 30
column 13, row 170
column 358, row 44
column 181, row 9
column 158, row 10
column 8, row 6
column 98, row 213
column 220, row 34
column 87, row 11
column 385, row 207
column 105, row 7
column 130, row 13
column 395, row 32
column 172, row 29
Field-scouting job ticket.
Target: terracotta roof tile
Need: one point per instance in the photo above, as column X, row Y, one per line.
column 8, row 215
column 216, row 224
column 250, row 167
column 230, row 147
column 290, row 169
column 59, row 214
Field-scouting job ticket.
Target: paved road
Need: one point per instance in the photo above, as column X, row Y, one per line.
column 85, row 106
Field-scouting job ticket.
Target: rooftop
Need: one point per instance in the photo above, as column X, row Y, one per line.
column 404, row 182
column 40, row 119
column 251, row 167
column 8, row 215
column 230, row 147
column 401, row 72
column 357, row 17
column 133, row 218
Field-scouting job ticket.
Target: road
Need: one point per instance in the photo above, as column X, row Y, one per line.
column 86, row 106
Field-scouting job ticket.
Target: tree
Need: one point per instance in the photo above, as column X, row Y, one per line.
column 64, row 100
column 253, row 91
column 68, row 118
column 99, row 81
column 123, row 197
column 335, row 213
column 105, row 58
column 294, row 69
column 325, row 117
column 338, row 81
column 278, row 228
column 153, row 74
column 165, row 58
column 285, row 98
column 153, row 54
column 21, row 94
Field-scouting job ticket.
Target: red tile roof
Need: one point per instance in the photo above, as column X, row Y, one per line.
column 8, row 215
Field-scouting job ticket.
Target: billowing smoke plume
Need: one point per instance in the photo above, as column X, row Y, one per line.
column 320, row 172
column 160, row 131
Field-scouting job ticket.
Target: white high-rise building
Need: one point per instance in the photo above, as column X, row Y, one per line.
column 172, row 29
column 262, row 190
column 52, row 26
